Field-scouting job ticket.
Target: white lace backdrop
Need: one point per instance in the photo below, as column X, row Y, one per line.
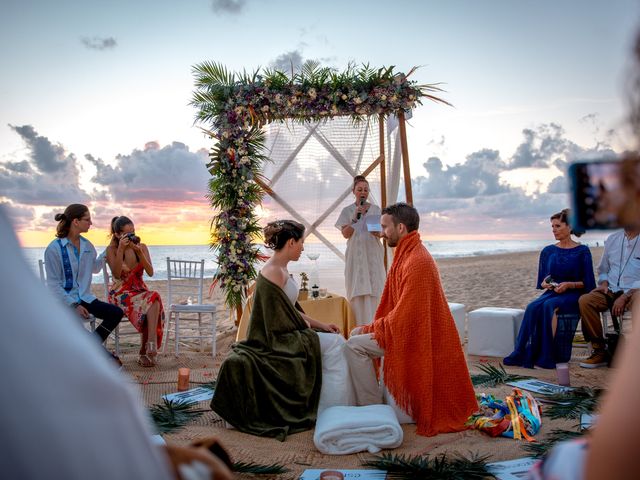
column 311, row 172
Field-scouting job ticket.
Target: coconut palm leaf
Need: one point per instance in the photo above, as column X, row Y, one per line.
column 171, row 415
column 259, row 469
column 573, row 403
column 455, row 467
column 493, row 376
column 541, row 447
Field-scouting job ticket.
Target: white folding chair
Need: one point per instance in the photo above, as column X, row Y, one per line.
column 126, row 331
column 43, row 278
column 185, row 280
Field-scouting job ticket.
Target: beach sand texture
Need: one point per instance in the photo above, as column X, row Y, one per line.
column 498, row 280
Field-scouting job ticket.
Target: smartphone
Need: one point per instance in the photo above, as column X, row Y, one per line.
column 599, row 191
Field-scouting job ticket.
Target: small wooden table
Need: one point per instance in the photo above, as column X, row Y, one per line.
column 331, row 309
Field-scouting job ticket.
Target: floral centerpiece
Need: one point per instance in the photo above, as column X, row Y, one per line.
column 234, row 107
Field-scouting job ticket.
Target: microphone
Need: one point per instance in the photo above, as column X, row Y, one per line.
column 362, row 200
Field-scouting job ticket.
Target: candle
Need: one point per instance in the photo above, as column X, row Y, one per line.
column 183, row 379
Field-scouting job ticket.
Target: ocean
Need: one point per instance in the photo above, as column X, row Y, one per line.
column 327, row 260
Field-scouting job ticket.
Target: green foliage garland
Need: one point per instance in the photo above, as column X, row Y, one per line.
column 234, row 107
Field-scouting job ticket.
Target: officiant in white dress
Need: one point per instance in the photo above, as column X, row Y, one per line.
column 364, row 266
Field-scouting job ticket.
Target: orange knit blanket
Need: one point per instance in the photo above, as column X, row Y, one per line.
column 424, row 366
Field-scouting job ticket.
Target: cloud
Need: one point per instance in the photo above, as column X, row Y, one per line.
column 287, row 61
column 477, row 176
column 233, row 7
column 19, row 216
column 558, row 185
column 165, row 174
column 99, row 43
column 49, row 176
column 543, row 147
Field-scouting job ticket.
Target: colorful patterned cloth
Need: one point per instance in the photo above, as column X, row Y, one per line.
column 132, row 295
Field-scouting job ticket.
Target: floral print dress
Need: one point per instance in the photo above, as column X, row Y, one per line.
column 132, row 295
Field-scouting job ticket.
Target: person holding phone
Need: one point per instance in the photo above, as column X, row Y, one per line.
column 565, row 272
column 618, row 279
column 128, row 259
column 364, row 263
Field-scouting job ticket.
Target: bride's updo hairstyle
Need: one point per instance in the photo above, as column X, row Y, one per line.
column 277, row 233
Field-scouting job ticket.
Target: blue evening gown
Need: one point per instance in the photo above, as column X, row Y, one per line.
column 535, row 342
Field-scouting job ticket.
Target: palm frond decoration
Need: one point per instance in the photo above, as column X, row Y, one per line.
column 171, row 415
column 235, row 106
column 259, row 469
column 541, row 447
column 493, row 376
column 455, row 467
column 573, row 403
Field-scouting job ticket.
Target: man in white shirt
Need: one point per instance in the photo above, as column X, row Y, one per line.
column 618, row 279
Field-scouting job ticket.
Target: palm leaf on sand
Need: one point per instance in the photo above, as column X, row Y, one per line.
column 541, row 447
column 493, row 376
column 258, row 469
column 171, row 415
column 440, row 467
column 573, row 403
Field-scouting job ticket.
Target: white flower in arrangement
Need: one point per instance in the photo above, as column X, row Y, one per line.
column 357, row 100
column 265, row 108
column 383, row 97
column 344, row 96
column 226, row 134
column 312, row 93
column 394, row 98
column 334, row 109
column 278, row 98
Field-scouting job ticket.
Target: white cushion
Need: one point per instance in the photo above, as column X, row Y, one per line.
column 493, row 330
column 459, row 316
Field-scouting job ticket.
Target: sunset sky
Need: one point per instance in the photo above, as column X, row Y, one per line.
column 94, row 102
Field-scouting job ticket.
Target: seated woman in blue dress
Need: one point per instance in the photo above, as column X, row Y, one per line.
column 565, row 272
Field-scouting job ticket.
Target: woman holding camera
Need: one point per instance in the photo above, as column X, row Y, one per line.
column 565, row 272
column 128, row 259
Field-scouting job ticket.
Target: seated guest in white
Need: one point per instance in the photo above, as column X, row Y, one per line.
column 618, row 279
column 270, row 385
column 70, row 262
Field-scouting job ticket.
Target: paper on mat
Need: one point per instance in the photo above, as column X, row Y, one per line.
column 538, row 386
column 512, row 469
column 314, row 474
column 198, row 394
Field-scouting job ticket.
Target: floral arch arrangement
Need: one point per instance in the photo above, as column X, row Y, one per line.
column 233, row 108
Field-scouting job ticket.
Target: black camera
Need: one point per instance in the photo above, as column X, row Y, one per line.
column 133, row 238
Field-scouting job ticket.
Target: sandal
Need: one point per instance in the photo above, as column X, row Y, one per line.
column 152, row 351
column 145, row 361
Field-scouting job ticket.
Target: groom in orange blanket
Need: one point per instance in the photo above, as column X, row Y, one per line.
column 424, row 366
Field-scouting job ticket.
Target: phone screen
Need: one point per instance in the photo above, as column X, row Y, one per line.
column 597, row 194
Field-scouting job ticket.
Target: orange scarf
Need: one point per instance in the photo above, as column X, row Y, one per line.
column 424, row 366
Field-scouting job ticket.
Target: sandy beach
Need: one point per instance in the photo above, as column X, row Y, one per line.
column 506, row 280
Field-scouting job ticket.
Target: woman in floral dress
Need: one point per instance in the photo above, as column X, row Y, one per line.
column 128, row 259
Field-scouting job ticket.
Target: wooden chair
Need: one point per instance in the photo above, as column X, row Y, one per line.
column 43, row 278
column 185, row 281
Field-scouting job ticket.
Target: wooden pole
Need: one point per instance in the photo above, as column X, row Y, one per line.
column 383, row 180
column 383, row 164
column 405, row 158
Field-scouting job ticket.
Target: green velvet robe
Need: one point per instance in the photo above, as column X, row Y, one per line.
column 269, row 385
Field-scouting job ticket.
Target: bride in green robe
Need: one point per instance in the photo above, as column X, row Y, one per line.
column 270, row 385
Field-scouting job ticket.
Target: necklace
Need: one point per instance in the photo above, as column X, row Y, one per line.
column 622, row 267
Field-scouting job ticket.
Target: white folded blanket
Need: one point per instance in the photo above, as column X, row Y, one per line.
column 345, row 430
